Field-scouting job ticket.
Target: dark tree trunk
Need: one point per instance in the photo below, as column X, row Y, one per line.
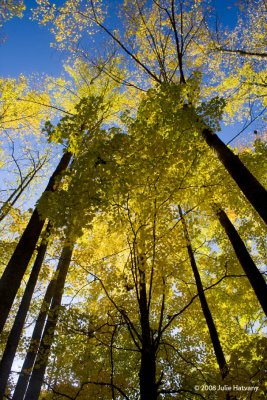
column 15, row 333
column 248, row 184
column 147, row 373
column 38, row 372
column 14, row 272
column 28, row 363
column 204, row 305
column 254, row 276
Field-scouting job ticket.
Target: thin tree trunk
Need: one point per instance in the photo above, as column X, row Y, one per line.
column 204, row 304
column 14, row 272
column 254, row 276
column 147, row 372
column 5, row 208
column 248, row 184
column 38, row 372
column 15, row 333
column 28, row 363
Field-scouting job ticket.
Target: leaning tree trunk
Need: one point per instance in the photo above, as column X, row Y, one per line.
column 13, row 198
column 147, row 372
column 29, row 360
column 248, row 184
column 14, row 272
column 15, row 333
column 254, row 276
column 204, row 304
column 38, row 372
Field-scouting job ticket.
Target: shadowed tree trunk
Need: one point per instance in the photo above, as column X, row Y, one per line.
column 28, row 363
column 254, row 276
column 204, row 304
column 248, row 184
column 16, row 331
column 38, row 372
column 14, row 272
column 147, row 372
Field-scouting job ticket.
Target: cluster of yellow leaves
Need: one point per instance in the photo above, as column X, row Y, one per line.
column 70, row 19
column 21, row 107
column 10, row 9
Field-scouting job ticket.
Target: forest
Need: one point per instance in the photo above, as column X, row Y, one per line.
column 133, row 207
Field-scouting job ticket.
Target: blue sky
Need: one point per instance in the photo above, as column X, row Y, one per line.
column 27, row 48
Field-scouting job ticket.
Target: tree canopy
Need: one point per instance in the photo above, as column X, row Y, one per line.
column 133, row 237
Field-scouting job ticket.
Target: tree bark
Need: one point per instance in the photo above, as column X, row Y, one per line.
column 248, row 184
column 15, row 333
column 28, row 363
column 255, row 278
column 38, row 372
column 214, row 336
column 14, row 272
column 147, row 372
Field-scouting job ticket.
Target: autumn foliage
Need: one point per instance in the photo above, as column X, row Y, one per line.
column 134, row 266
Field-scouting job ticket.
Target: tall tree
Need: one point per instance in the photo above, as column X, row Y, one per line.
column 255, row 277
column 204, row 304
column 28, row 362
column 17, row 327
column 14, row 272
column 38, row 372
column 248, row 184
